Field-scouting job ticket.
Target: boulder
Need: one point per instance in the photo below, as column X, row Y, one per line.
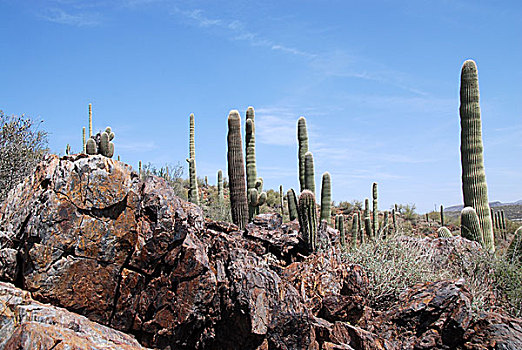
column 26, row 324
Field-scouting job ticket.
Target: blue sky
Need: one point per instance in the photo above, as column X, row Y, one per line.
column 378, row 82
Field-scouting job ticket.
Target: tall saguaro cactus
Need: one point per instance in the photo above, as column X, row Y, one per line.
column 302, row 138
column 367, row 221
column 236, row 171
column 193, row 194
column 355, row 229
column 221, row 195
column 308, row 219
column 255, row 196
column 309, row 172
column 474, row 187
column 90, row 119
column 339, row 225
column 441, row 215
column 326, row 197
column 83, row 140
column 281, row 201
column 291, row 201
column 375, row 218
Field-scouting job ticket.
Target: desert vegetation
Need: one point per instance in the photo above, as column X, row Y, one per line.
column 397, row 248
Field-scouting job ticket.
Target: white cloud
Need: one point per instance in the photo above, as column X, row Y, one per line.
column 60, row 16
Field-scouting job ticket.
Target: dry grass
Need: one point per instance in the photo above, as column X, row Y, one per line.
column 396, row 264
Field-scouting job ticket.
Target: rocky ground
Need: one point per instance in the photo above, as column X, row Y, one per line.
column 94, row 258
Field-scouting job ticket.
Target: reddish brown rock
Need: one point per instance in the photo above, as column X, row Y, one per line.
column 85, row 234
column 494, row 331
column 26, row 324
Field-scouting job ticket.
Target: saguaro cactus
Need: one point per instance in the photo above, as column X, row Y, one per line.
column 384, row 229
column 470, row 225
column 221, row 195
column 256, row 197
column 193, row 193
column 367, row 220
column 441, row 215
column 236, row 171
column 83, row 140
column 339, row 225
column 375, row 218
column 308, row 219
column 302, row 138
column 326, row 197
column 106, row 144
column 474, row 185
column 90, row 119
column 394, row 220
column 355, row 229
column 309, row 172
column 291, row 201
column 281, row 201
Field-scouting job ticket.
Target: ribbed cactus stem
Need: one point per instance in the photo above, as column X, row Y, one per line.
column 281, row 200
column 339, row 225
column 394, row 220
column 367, row 219
column 361, row 227
column 503, row 219
column 83, row 141
column 384, row 229
column 308, row 219
column 444, row 232
column 441, row 215
column 474, row 185
column 68, row 149
column 470, row 225
column 375, row 218
column 192, row 143
column 236, row 171
column 309, row 172
column 302, row 138
column 90, row 119
column 291, row 201
column 139, row 169
column 326, row 197
column 221, row 195
column 355, row 229
column 193, row 194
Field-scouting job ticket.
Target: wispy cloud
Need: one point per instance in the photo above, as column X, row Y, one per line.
column 80, row 19
column 236, row 30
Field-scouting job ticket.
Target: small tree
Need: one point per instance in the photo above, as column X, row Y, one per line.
column 22, row 146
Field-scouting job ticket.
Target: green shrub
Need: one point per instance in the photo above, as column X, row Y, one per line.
column 22, row 146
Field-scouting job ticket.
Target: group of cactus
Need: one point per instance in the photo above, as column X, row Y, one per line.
column 193, row 192
column 246, row 197
column 101, row 143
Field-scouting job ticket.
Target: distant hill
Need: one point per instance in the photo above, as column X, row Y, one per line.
column 513, row 211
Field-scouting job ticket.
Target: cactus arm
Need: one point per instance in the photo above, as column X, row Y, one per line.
column 326, row 197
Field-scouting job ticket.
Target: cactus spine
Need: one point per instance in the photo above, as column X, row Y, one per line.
column 375, row 219
column 339, row 225
column 308, row 219
column 221, row 195
column 326, row 197
column 309, row 172
column 474, row 185
column 444, row 232
column 470, row 225
column 302, row 138
column 236, row 171
column 291, row 201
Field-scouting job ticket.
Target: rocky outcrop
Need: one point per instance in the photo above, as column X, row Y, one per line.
column 85, row 234
column 26, row 324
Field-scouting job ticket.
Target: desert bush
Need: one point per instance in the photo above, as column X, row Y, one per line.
column 172, row 175
column 399, row 263
column 22, row 146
